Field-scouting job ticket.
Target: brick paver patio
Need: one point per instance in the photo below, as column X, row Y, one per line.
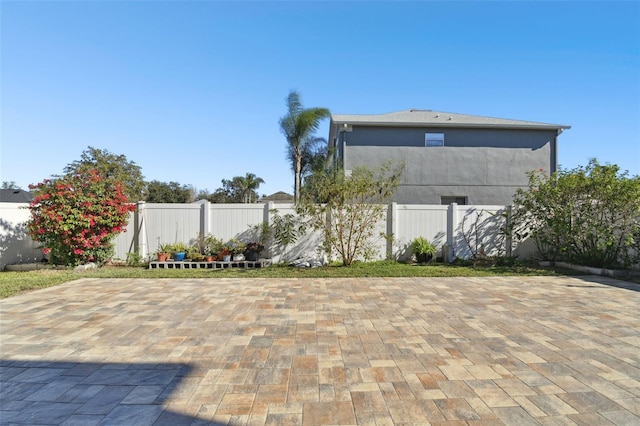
column 455, row 351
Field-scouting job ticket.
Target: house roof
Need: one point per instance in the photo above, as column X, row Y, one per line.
column 429, row 118
column 15, row 196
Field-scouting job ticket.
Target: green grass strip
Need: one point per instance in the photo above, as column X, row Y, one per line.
column 12, row 283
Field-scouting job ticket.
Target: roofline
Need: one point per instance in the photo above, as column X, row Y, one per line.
column 457, row 125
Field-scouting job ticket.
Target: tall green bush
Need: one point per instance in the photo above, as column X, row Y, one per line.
column 588, row 215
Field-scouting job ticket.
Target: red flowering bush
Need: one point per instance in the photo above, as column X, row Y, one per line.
column 75, row 217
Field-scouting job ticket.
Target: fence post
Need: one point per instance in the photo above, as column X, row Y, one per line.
column 140, row 231
column 392, row 228
column 507, row 230
column 452, row 225
column 266, row 217
column 205, row 225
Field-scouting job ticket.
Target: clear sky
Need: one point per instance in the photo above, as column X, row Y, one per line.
column 192, row 91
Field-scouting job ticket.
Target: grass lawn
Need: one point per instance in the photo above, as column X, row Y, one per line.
column 12, row 283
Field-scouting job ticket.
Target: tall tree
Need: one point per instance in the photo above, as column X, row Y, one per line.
column 9, row 185
column 245, row 187
column 111, row 166
column 298, row 125
column 239, row 189
column 172, row 192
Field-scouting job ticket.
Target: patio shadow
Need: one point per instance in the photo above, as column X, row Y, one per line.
column 54, row 392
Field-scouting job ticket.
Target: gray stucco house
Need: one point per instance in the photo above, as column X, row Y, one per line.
column 448, row 157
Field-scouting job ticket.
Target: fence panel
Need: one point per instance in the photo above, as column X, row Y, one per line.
column 15, row 245
column 228, row 221
column 479, row 229
column 419, row 220
column 306, row 245
column 170, row 223
column 125, row 242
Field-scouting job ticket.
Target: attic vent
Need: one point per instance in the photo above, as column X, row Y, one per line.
column 450, row 118
column 419, row 110
column 437, row 115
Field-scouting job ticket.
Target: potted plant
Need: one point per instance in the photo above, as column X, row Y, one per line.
column 237, row 248
column 163, row 252
column 193, row 254
column 179, row 251
column 423, row 249
column 224, row 254
column 253, row 250
column 210, row 256
column 212, row 247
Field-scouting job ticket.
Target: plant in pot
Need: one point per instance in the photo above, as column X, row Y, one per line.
column 212, row 247
column 163, row 252
column 423, row 249
column 224, row 254
column 179, row 251
column 193, row 254
column 253, row 250
column 210, row 256
column 237, row 248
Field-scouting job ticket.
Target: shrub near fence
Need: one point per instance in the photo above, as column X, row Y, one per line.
column 464, row 229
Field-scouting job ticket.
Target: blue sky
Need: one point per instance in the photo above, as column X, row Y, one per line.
column 192, row 91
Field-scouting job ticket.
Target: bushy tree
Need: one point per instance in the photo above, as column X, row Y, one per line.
column 239, row 189
column 75, row 217
column 347, row 209
column 10, row 185
column 588, row 215
column 243, row 188
column 111, row 166
column 298, row 126
column 172, row 192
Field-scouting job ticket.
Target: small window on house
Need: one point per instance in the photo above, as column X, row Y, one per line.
column 445, row 201
column 434, row 139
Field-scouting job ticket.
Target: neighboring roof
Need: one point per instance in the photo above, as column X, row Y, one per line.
column 278, row 196
column 15, row 196
column 428, row 118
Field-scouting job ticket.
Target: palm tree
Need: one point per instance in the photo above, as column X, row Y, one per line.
column 314, row 157
column 246, row 186
column 298, row 126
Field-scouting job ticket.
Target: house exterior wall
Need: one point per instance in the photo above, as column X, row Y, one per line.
column 484, row 165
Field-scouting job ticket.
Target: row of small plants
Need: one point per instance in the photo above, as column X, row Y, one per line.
column 209, row 248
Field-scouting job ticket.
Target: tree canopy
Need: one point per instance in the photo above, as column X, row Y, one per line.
column 9, row 185
column 111, row 166
column 172, row 192
column 298, row 126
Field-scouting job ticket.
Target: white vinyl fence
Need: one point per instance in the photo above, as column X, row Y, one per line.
column 15, row 245
column 460, row 230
